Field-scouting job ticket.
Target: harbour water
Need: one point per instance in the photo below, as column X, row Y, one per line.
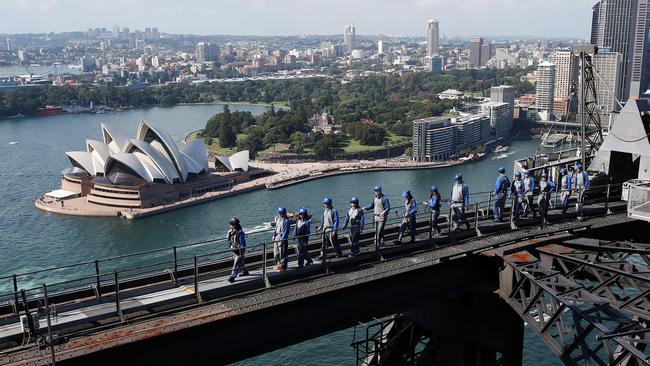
column 31, row 239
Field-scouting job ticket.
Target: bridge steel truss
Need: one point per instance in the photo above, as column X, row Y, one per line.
column 587, row 299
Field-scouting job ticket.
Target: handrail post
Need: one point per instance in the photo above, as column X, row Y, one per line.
column 97, row 279
column 607, row 211
column 175, row 264
column 476, row 220
column 49, row 325
column 487, row 216
column 15, row 282
column 30, row 320
column 267, row 283
column 430, row 224
column 197, row 293
column 118, row 308
column 449, row 220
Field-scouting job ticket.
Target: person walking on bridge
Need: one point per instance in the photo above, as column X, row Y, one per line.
column 434, row 205
column 301, row 233
column 410, row 209
column 459, row 201
column 281, row 240
column 546, row 186
column 330, row 228
column 580, row 185
column 500, row 194
column 565, row 188
column 381, row 207
column 356, row 219
column 529, row 192
column 518, row 191
column 237, row 242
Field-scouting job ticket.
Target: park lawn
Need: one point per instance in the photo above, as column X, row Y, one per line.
column 356, row 147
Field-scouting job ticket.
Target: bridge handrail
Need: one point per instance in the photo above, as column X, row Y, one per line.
column 178, row 259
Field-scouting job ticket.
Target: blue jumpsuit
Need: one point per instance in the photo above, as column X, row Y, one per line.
column 330, row 231
column 356, row 219
column 545, row 189
column 237, row 241
column 301, row 233
column 381, row 207
column 460, row 200
column 410, row 209
column 281, row 242
column 518, row 190
column 565, row 186
column 500, row 195
column 434, row 205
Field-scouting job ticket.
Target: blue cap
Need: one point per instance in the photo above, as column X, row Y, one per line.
column 526, row 171
column 544, row 175
column 517, row 174
column 302, row 211
column 434, row 188
column 578, row 166
column 327, row 201
column 377, row 189
column 502, row 170
column 354, row 200
column 406, row 193
column 458, row 176
column 563, row 171
column 282, row 210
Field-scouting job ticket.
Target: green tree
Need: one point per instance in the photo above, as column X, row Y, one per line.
column 227, row 136
column 298, row 140
column 327, row 147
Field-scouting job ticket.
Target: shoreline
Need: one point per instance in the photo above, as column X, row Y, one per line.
column 281, row 179
column 125, row 108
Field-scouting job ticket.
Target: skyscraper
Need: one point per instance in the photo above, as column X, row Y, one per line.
column 475, row 51
column 502, row 123
column 566, row 73
column 380, row 47
column 9, row 45
column 349, row 35
column 622, row 26
column 486, row 54
column 433, row 37
column 545, row 87
column 608, row 65
column 207, row 52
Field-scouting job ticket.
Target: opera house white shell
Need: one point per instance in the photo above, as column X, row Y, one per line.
column 150, row 157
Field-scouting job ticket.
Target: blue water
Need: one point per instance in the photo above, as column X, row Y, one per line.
column 31, row 239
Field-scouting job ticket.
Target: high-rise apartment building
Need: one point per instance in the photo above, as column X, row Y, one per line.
column 207, row 52
column 380, row 47
column 608, row 84
column 622, row 26
column 501, row 121
column 545, row 87
column 475, row 51
column 9, row 45
column 439, row 138
column 486, row 54
column 349, row 37
column 433, row 37
column 566, row 73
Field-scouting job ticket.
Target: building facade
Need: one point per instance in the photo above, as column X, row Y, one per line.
column 440, row 139
column 500, row 115
column 622, row 26
column 433, row 37
column 609, row 67
column 475, row 51
column 566, row 73
column 349, row 37
column 545, row 90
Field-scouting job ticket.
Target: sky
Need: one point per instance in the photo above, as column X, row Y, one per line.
column 542, row 18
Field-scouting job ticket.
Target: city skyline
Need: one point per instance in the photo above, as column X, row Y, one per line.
column 290, row 17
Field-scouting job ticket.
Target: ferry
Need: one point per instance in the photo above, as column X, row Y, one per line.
column 50, row 110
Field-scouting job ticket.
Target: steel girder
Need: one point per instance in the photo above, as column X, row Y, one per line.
column 587, row 300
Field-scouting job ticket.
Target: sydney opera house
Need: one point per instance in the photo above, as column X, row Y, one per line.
column 146, row 171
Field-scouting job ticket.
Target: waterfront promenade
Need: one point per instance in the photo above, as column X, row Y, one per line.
column 284, row 175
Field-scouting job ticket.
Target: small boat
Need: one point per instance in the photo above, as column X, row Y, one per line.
column 13, row 143
column 501, row 149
